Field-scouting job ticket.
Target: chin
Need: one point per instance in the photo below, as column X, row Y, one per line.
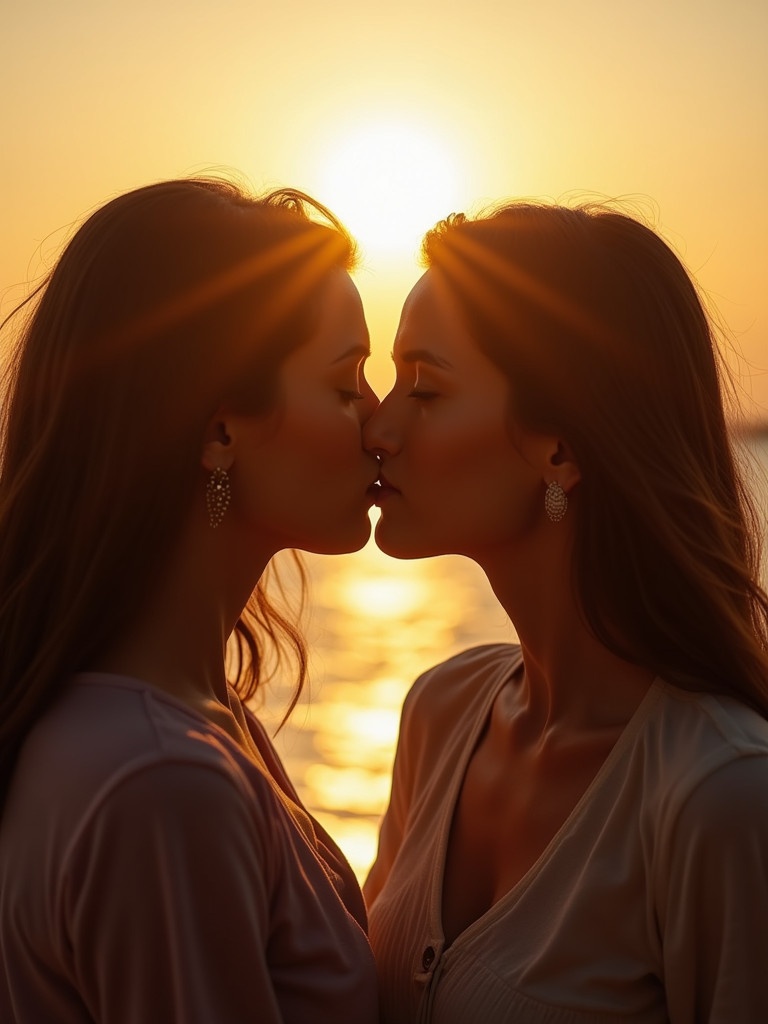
column 343, row 543
column 398, row 547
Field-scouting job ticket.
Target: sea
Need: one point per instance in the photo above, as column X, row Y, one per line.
column 373, row 624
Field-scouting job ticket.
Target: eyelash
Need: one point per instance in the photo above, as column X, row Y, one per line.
column 350, row 396
column 422, row 395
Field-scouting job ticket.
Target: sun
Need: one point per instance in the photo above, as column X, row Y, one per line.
column 389, row 181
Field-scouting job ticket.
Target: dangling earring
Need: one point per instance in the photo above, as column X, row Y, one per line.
column 217, row 496
column 555, row 502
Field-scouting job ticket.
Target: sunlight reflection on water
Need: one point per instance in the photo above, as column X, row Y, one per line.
column 374, row 624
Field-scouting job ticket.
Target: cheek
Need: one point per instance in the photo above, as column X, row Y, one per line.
column 471, row 480
column 458, row 451
column 322, row 437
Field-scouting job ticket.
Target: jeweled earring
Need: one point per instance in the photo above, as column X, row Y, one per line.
column 217, row 496
column 555, row 502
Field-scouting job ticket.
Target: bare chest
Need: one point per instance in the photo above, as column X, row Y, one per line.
column 508, row 812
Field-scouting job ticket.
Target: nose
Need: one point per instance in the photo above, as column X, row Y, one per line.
column 379, row 433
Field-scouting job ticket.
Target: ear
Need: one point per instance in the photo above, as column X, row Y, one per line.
column 218, row 450
column 562, row 466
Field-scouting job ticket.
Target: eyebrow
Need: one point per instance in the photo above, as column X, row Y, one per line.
column 422, row 355
column 361, row 351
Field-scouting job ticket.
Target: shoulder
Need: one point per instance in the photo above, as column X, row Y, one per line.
column 695, row 734
column 122, row 749
column 446, row 699
column 467, row 674
column 710, row 754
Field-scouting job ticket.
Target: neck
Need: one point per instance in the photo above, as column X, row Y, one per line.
column 178, row 639
column 570, row 679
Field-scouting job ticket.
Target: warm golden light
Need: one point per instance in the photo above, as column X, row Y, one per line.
column 390, row 181
column 357, row 836
column 352, row 790
column 385, row 598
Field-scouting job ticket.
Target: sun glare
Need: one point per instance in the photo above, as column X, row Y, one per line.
column 389, row 182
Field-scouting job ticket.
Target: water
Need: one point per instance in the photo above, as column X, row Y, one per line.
column 375, row 624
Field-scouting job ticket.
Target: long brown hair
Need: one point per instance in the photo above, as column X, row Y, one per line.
column 607, row 344
column 167, row 301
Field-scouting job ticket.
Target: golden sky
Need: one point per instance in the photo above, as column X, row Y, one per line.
column 396, row 114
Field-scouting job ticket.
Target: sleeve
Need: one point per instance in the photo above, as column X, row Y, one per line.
column 714, row 913
column 166, row 898
column 396, row 815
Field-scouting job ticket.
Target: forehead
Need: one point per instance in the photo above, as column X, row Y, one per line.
column 431, row 319
column 341, row 324
column 340, row 297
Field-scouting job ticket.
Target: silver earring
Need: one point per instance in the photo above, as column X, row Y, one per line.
column 217, row 496
column 555, row 502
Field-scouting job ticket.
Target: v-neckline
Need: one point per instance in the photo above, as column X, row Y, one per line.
column 451, row 806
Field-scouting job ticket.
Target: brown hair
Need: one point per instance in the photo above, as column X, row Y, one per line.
column 607, row 345
column 166, row 301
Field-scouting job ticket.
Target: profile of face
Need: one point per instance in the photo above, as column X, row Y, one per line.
column 458, row 476
column 299, row 475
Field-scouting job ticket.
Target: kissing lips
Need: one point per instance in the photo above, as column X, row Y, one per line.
column 385, row 489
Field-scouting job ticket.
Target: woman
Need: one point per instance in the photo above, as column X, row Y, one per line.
column 578, row 824
column 185, row 401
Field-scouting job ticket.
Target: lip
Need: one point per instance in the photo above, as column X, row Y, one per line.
column 384, row 489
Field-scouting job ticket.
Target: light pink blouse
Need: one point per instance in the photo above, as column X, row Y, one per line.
column 149, row 873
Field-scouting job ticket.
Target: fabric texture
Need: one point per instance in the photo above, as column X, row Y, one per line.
column 152, row 873
column 649, row 905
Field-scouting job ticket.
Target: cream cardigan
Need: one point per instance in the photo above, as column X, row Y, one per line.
column 649, row 905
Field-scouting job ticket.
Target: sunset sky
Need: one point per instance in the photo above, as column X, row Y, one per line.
column 396, row 114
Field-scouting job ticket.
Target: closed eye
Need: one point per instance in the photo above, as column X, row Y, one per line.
column 422, row 394
column 350, row 396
